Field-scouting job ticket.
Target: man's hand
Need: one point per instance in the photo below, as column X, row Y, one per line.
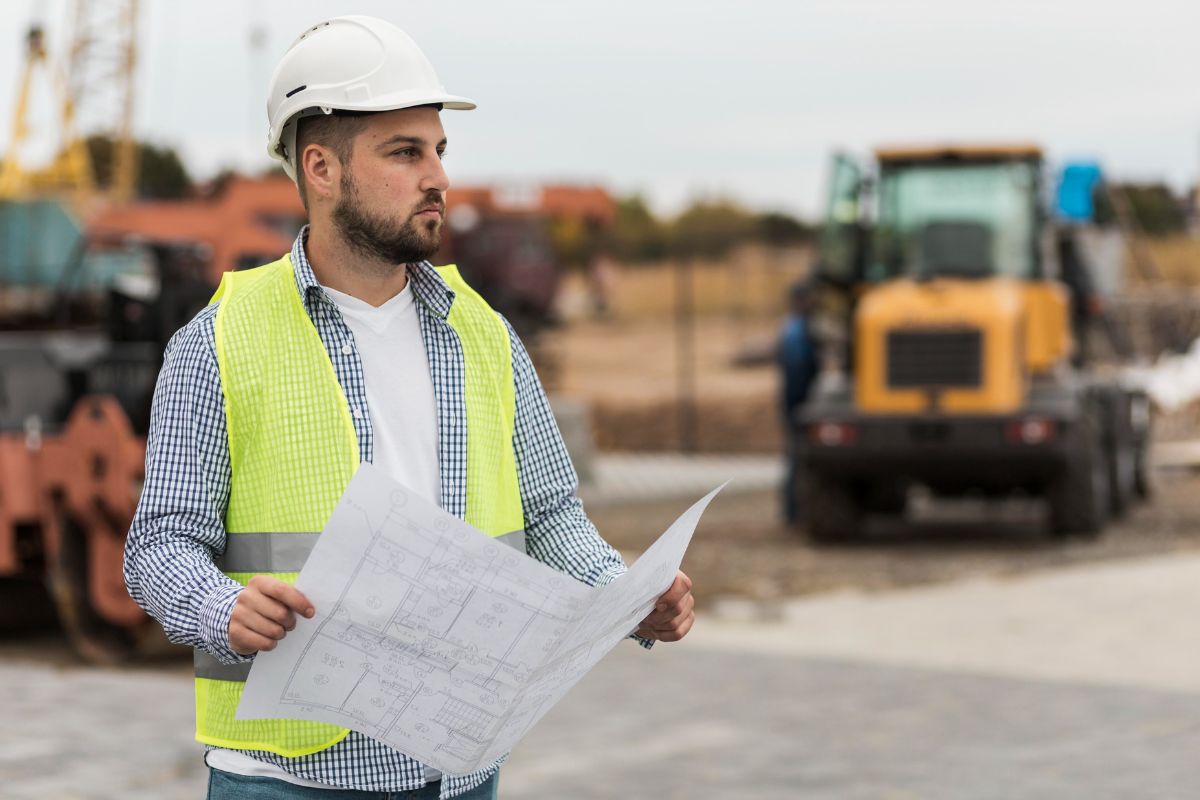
column 263, row 614
column 673, row 614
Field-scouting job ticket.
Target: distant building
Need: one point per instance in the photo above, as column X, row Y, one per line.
column 248, row 221
column 592, row 204
column 245, row 222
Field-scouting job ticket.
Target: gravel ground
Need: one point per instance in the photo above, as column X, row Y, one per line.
column 741, row 551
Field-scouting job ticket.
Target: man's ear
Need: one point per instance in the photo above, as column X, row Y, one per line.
column 322, row 171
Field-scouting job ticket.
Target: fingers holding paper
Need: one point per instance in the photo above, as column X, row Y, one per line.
column 263, row 614
column 673, row 614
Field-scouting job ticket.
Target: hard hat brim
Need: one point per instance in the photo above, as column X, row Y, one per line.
column 400, row 100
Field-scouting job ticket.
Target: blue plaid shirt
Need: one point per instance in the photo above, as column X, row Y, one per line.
column 179, row 524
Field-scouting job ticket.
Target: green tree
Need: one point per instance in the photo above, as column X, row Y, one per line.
column 637, row 235
column 161, row 173
column 1157, row 209
column 781, row 230
column 711, row 228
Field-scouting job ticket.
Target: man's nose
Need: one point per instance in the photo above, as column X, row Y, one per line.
column 436, row 178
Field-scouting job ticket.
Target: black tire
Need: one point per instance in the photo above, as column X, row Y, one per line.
column 831, row 512
column 887, row 497
column 1079, row 497
column 1143, row 473
column 1143, row 484
column 93, row 638
column 1120, row 450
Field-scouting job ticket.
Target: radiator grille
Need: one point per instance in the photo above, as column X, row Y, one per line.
column 942, row 358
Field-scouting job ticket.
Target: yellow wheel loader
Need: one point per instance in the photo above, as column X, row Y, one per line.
column 957, row 354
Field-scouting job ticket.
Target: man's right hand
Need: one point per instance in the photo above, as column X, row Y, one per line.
column 263, row 614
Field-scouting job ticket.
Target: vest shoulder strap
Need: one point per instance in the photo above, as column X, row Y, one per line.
column 242, row 280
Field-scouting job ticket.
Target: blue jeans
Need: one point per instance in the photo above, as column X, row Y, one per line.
column 227, row 786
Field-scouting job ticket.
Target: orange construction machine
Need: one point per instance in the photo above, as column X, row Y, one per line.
column 78, row 363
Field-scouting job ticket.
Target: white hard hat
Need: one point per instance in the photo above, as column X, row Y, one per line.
column 352, row 63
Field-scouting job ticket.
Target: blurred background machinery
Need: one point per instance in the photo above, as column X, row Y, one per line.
column 93, row 90
column 93, row 282
column 84, row 321
column 964, row 305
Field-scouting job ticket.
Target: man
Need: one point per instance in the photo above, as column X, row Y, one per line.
column 798, row 364
column 351, row 348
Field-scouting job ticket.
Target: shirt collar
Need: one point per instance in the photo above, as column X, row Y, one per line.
column 428, row 286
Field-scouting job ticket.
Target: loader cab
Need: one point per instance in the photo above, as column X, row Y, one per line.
column 937, row 212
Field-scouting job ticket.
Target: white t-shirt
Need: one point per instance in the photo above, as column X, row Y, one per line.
column 403, row 414
column 399, row 389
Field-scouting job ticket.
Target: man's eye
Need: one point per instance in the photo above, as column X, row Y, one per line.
column 407, row 152
column 441, row 153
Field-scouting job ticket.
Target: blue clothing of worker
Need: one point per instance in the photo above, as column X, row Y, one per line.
column 797, row 361
column 799, row 364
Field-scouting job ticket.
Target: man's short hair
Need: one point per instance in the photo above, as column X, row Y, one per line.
column 335, row 131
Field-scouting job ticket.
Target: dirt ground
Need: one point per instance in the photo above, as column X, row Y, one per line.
column 741, row 551
column 655, row 380
column 631, row 375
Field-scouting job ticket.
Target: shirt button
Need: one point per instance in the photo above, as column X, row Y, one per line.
column 346, row 349
column 357, row 414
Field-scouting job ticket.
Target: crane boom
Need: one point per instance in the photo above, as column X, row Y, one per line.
column 95, row 92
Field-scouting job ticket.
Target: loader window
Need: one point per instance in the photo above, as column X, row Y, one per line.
column 971, row 220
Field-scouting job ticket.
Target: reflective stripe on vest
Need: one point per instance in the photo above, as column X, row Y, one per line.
column 248, row 551
column 287, row 552
column 293, row 448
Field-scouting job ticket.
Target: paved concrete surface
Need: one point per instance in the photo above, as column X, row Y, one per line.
column 1075, row 683
column 633, row 477
column 1130, row 623
column 77, row 733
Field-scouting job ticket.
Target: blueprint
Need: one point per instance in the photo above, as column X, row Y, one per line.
column 438, row 640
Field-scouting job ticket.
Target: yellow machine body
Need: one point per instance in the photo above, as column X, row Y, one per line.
column 956, row 346
column 942, row 273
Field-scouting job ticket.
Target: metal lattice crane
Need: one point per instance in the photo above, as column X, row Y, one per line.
column 95, row 93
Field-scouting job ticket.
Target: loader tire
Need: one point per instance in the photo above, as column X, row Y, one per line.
column 831, row 510
column 94, row 639
column 1143, row 470
column 887, row 497
column 1079, row 497
column 1143, row 484
column 1120, row 451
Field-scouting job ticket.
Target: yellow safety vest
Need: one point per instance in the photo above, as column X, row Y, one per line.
column 293, row 450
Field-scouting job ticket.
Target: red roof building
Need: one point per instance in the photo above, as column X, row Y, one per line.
column 246, row 222
column 251, row 221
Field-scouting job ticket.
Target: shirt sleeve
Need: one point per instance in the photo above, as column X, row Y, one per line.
column 557, row 531
column 178, row 525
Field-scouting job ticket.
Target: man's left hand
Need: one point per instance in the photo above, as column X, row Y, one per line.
column 673, row 613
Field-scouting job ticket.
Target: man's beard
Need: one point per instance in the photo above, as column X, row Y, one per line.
column 381, row 237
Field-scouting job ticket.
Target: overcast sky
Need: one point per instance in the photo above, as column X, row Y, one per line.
column 678, row 99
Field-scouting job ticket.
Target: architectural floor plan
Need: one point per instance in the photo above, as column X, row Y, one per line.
column 442, row 642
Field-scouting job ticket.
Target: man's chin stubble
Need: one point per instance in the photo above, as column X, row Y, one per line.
column 400, row 250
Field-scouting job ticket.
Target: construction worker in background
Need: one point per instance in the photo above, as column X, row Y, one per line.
column 1086, row 304
column 798, row 366
column 350, row 348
